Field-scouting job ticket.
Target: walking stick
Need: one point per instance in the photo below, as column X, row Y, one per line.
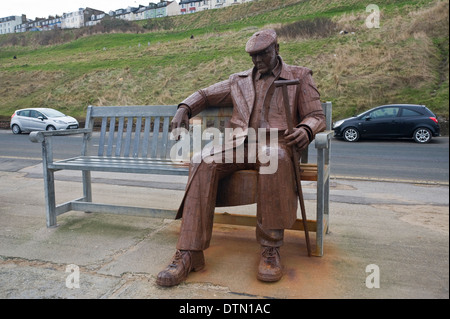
column 284, row 84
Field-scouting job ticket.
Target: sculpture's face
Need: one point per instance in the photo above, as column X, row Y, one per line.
column 265, row 61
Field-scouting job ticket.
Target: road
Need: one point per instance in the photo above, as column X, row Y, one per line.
column 392, row 160
column 401, row 160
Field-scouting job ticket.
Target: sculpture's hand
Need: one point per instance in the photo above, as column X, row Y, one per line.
column 181, row 118
column 299, row 138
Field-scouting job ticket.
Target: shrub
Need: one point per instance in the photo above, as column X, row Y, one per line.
column 315, row 28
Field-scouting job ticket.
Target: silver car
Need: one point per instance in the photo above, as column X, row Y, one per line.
column 41, row 119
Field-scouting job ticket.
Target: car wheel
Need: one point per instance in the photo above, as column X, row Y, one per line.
column 422, row 135
column 16, row 129
column 51, row 128
column 351, row 134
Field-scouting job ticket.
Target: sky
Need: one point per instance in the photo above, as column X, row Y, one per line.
column 44, row 8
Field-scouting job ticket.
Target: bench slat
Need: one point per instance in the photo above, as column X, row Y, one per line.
column 121, row 164
column 101, row 143
column 119, row 136
column 155, row 137
column 112, row 127
column 137, row 137
column 165, row 137
column 128, row 137
column 146, row 136
column 133, row 111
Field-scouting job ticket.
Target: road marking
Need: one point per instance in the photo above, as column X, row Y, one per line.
column 389, row 180
column 22, row 158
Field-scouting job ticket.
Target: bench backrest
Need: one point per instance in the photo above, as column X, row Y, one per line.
column 132, row 131
column 144, row 131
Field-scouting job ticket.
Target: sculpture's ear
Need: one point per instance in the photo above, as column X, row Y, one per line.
column 277, row 48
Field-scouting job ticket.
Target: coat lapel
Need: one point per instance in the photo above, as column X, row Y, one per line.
column 243, row 94
column 247, row 91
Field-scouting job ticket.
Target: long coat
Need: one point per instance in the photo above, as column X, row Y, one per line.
column 239, row 93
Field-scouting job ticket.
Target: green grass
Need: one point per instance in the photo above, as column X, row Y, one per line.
column 406, row 60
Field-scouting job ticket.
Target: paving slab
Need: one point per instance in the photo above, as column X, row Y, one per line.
column 400, row 228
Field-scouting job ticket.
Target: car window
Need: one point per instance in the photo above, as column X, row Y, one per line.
column 385, row 112
column 34, row 113
column 24, row 113
column 408, row 112
column 53, row 113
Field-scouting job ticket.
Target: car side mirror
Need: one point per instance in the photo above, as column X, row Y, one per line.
column 368, row 118
column 41, row 118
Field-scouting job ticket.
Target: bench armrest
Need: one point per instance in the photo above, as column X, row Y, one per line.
column 45, row 137
column 39, row 136
column 323, row 139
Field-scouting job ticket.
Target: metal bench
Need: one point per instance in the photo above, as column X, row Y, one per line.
column 136, row 139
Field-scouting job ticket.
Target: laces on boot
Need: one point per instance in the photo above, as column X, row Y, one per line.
column 183, row 258
column 270, row 254
column 176, row 259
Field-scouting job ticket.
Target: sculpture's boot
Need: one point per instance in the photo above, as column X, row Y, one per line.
column 270, row 268
column 183, row 263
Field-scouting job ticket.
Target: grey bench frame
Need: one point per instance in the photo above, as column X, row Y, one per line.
column 136, row 147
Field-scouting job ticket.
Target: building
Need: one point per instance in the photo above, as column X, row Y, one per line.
column 79, row 18
column 9, row 24
column 95, row 19
column 125, row 14
column 84, row 17
column 226, row 3
column 153, row 10
column 233, row 2
column 143, row 12
column 167, row 8
column 52, row 23
column 71, row 20
column 40, row 24
column 192, row 6
column 217, row 4
column 129, row 14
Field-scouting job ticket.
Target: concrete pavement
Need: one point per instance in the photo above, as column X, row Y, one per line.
column 401, row 228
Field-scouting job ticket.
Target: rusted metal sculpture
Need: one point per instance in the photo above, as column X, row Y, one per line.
column 257, row 105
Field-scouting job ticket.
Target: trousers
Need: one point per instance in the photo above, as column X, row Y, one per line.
column 276, row 199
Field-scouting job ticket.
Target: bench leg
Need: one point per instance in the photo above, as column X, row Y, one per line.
column 321, row 204
column 320, row 220
column 87, row 188
column 49, row 183
column 326, row 204
column 50, row 201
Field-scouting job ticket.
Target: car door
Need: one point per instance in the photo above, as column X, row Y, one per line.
column 408, row 121
column 24, row 119
column 37, row 121
column 381, row 122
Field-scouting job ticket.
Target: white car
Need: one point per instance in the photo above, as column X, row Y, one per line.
column 41, row 119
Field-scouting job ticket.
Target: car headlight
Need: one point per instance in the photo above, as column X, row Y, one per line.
column 60, row 122
column 338, row 123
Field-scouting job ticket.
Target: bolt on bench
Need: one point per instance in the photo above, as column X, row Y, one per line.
column 136, row 139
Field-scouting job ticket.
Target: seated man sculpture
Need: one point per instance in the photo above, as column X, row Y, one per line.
column 257, row 104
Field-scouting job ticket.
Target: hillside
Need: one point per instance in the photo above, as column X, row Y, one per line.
column 157, row 62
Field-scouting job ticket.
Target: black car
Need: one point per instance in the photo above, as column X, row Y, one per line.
column 390, row 121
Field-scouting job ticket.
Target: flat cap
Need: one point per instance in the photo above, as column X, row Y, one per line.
column 261, row 40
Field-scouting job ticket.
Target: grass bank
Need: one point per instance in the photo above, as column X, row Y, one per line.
column 403, row 61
